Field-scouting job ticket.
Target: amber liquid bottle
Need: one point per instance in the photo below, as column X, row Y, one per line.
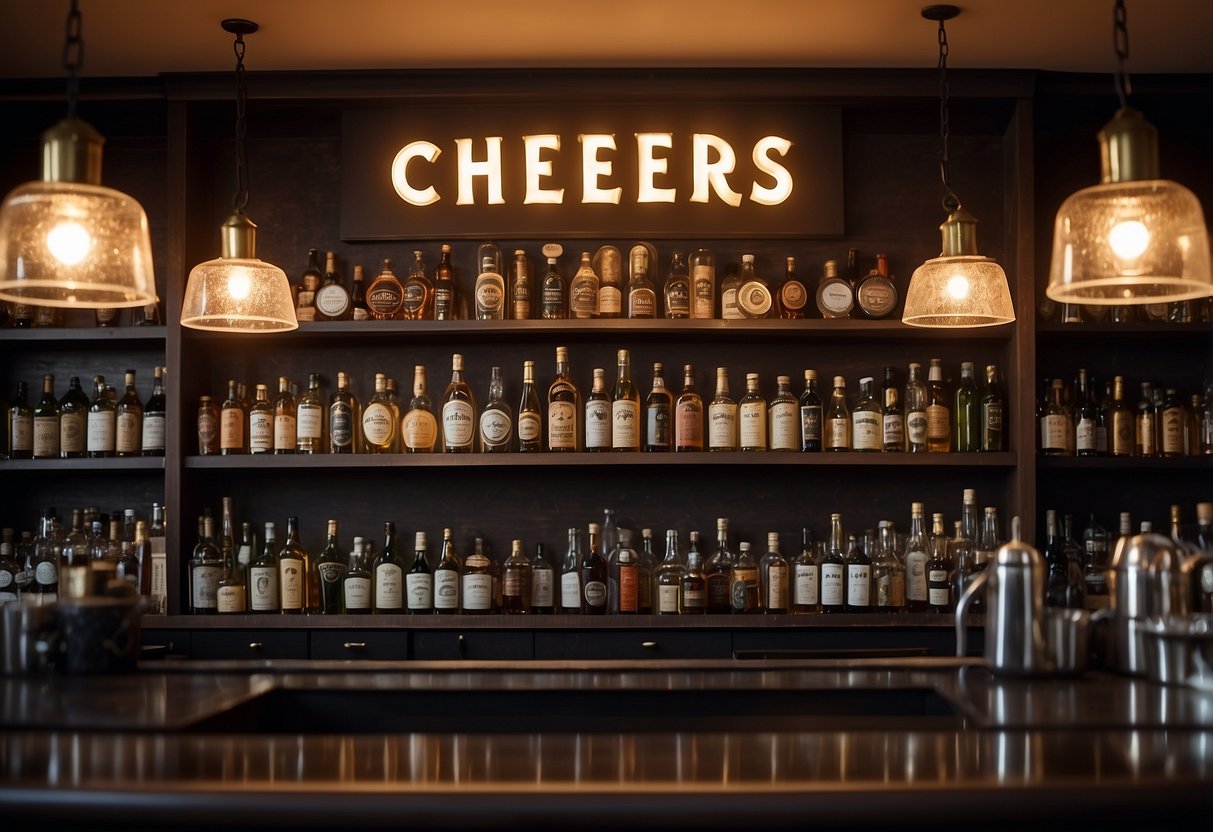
column 417, row 299
column 385, row 296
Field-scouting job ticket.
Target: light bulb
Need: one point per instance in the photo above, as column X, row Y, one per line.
column 69, row 242
column 958, row 286
column 1129, row 239
column 239, row 284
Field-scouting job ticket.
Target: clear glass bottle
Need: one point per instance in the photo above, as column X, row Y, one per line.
column 1146, row 424
column 669, row 577
column 966, row 420
column 490, row 289
column 658, row 410
column 752, row 416
column 458, row 412
column 231, row 596
column 722, row 416
column 564, row 408
column 625, row 408
column 387, row 572
column 838, row 418
column 916, row 411
column 917, row 556
column 888, row 574
column 309, row 418
column 939, row 568
column 703, row 284
column 677, row 288
column 448, row 574
column 729, row 310
column 693, row 593
column 811, row 414
column 206, row 569
column 496, row 421
column 806, row 575
column 718, row 572
column 939, row 419
column 598, row 420
column 530, row 414
column 1119, row 418
column 263, row 576
column 333, row 301
column 834, row 569
column 773, row 578
column 783, row 417
column 867, row 421
column 1086, row 418
column 570, row 575
column 688, row 415
column 232, row 420
column 835, row 294
column 261, row 422
column 642, row 294
column 361, row 312
column 608, row 265
column 44, row 423
column 101, row 424
column 285, row 432
column 583, row 290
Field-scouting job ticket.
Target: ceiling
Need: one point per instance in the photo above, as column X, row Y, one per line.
column 146, row 37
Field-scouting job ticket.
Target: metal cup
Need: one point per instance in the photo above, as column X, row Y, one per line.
column 1066, row 639
column 28, row 638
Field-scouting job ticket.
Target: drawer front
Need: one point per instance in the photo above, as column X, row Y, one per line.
column 472, row 644
column 248, row 644
column 648, row 644
column 844, row 643
column 160, row 644
column 382, row 645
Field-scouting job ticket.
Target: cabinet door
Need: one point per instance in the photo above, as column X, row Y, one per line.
column 359, row 644
column 647, row 644
column 249, row 644
column 846, row 643
column 454, row 644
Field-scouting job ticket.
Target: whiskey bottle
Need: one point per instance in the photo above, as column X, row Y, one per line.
column 658, row 407
column 44, row 423
column 752, row 416
column 806, row 574
column 263, row 576
column 966, row 425
column 1055, row 424
column 333, row 302
column 564, row 407
column 419, row 580
column 516, row 582
column 876, row 293
column 583, row 291
column 753, row 295
column 1172, row 424
column 625, row 408
column 939, row 420
column 101, row 424
column 623, row 574
column 859, row 573
column 388, row 572
column 294, row 572
column 309, row 418
column 939, row 567
column 773, row 578
column 417, row 295
column 916, row 411
column 476, row 585
column 917, row 546
column 496, row 422
column 1146, row 423
column 722, row 416
column 261, row 422
column 608, row 265
column 244, row 552
column 729, row 287
column 834, row 569
column 520, row 287
column 285, row 435
column 692, row 595
column 446, row 293
column 838, row 418
column 593, row 576
column 570, row 575
column 356, row 585
column 530, row 416
column 378, row 423
column 743, row 582
column 305, row 306
column 892, row 417
column 835, row 295
column 448, row 578
column 646, row 569
column 231, row 596
column 703, row 284
column 344, row 418
column 718, row 572
column 232, row 423
column 73, row 421
column 688, row 414
column 385, row 295
column 669, row 577
column 992, row 404
column 598, row 421
column 888, row 576
column 867, row 422
column 677, row 288
column 1087, row 418
column 642, row 296
column 811, row 414
column 783, row 417
column 328, row 579
column 419, row 428
column 458, row 412
column 543, row 583
column 555, row 303
column 793, row 296
column 360, row 310
column 206, row 569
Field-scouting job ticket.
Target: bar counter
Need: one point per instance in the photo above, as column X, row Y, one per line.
column 915, row 743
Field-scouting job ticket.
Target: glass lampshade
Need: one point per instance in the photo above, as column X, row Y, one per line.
column 238, row 295
column 960, row 291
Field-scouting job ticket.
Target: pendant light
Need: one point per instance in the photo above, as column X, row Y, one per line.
column 237, row 292
column 1134, row 238
column 959, row 288
column 65, row 240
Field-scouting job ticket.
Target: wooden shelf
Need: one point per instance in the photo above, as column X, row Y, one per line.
column 1150, row 330
column 78, row 337
column 138, row 463
column 1125, row 463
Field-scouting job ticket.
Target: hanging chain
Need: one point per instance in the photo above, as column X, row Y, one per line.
column 240, row 200
column 1120, row 42
column 950, row 200
column 73, row 55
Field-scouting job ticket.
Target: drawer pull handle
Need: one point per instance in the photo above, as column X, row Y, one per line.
column 256, row 645
column 354, row 645
column 649, row 645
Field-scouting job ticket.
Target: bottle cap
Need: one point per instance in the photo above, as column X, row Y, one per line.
column 783, row 379
column 970, row 495
column 810, row 375
column 772, row 540
column 745, row 547
column 839, row 381
column 866, row 380
column 747, row 258
column 420, row 538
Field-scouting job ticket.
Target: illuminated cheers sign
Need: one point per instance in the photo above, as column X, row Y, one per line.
column 649, row 171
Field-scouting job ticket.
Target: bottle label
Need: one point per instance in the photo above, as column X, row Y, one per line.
column 1053, row 429
column 703, row 279
column 836, row 297
column 72, row 433
column 627, row 587
column 412, row 299
column 377, row 424
column 991, row 417
column 937, row 596
column 128, row 431
column 341, row 425
column 916, row 576
column 894, row 430
column 420, row 430
column 866, row 430
column 754, row 299
column 331, row 572
column 541, row 588
column 1173, row 423
column 793, row 295
column 384, row 297
column 261, row 431
column 1084, row 436
column 446, row 589
column 876, row 297
column 458, row 424
column 46, row 573
column 777, row 588
column 231, row 428
column 597, row 426
column 562, row 425
column 667, row 599
column 677, row 299
column 332, row 300
column 420, row 588
column 357, row 593
column 291, row 582
column 595, row 593
column 785, row 426
column 693, row 599
column 722, row 426
column 833, row 584
column 610, row 301
column 389, row 589
column 642, row 303
column 230, row 598
column 570, row 591
column 689, row 424
column 100, row 432
column 810, row 424
column 806, row 585
column 839, row 434
column 46, row 436
column 529, row 426
column 752, row 418
column 583, row 297
column 859, row 578
column 658, row 425
column 939, row 424
column 310, row 421
column 495, row 428
column 729, row 310
column 159, row 588
column 514, row 583
column 1145, row 435
column 625, row 418
column 490, row 295
column 361, row 314
column 444, row 302
column 478, row 591
column 284, row 432
column 306, row 310
column 916, row 426
column 204, row 586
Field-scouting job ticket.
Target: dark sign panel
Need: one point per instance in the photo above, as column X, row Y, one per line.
column 687, row 170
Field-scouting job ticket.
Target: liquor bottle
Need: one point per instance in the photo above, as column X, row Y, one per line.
column 658, row 408
column 646, row 569
column 1120, row 421
column 232, row 423
column 44, row 562
column 892, row 417
column 752, row 416
column 1145, row 424
column 496, row 421
column 294, row 568
column 838, row 418
column 783, row 417
column 876, row 294
column 598, row 415
column 570, row 575
column 806, row 573
column 361, row 311
column 722, row 416
column 867, row 422
column 811, row 414
column 859, row 572
column 625, row 408
column 417, row 295
column 991, row 434
column 1204, row 530
column 446, row 293
column 385, row 295
column 479, row 585
column 76, row 555
column 388, row 574
column 669, row 577
column 988, row 538
column 309, row 418
column 623, row 572
column 773, row 578
column 261, row 422
column 448, row 577
column 888, row 575
column 47, row 316
column 1087, row 418
column 692, row 593
column 555, row 303
column 208, row 426
column 583, row 290
column 520, row 287
column 608, row 265
column 939, row 420
column 244, row 551
column 939, row 568
column 1055, row 424
column 688, row 414
column 333, row 302
column 642, row 296
column 148, row 315
column 344, row 418
column 263, row 576
column 285, row 435
column 419, row 580
column 743, row 582
column 458, row 412
column 231, row 596
column 753, row 295
column 1173, row 424
column 516, row 582
column 206, row 569
column 543, row 584
column 729, row 310
column 916, row 411
column 101, row 424
column 835, row 295
column 356, row 585
column 418, row 427
column 718, row 572
column 44, row 423
column 677, row 292
column 530, row 415
column 834, row 569
column 917, row 547
column 305, row 304
column 1064, row 579
column 73, row 421
column 564, row 407
column 793, row 296
column 966, row 420
column 703, row 284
